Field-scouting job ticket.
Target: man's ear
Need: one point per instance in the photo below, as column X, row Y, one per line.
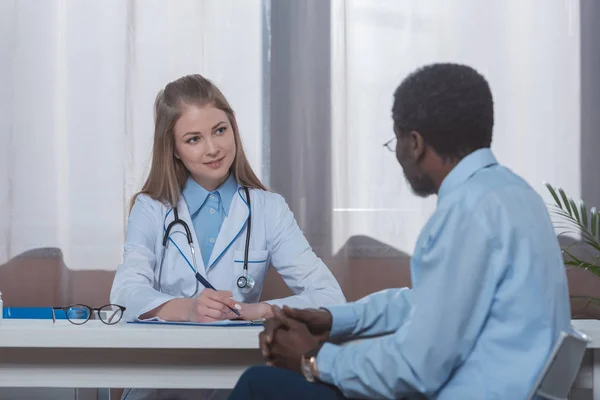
column 416, row 145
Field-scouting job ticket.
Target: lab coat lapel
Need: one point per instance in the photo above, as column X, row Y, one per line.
column 180, row 238
column 232, row 227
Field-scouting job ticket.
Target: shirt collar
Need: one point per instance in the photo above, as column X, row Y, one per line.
column 466, row 168
column 195, row 195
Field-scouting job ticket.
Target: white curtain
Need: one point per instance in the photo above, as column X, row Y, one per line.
column 528, row 51
column 77, row 84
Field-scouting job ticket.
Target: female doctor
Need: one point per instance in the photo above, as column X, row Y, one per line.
column 204, row 230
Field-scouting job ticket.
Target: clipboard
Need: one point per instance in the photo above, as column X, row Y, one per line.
column 225, row 323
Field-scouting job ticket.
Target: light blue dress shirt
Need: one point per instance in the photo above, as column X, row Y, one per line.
column 208, row 211
column 489, row 299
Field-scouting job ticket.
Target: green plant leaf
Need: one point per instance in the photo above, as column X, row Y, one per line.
column 576, row 228
column 584, row 218
column 586, row 236
column 554, row 195
column 565, row 201
column 594, row 301
column 572, row 218
column 575, row 262
column 559, row 211
column 590, row 299
column 586, row 266
column 567, row 218
column 569, row 221
column 593, row 244
column 572, row 263
column 567, row 226
column 575, row 259
column 593, row 221
column 575, row 212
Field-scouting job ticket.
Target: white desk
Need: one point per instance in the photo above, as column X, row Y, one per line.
column 589, row 374
column 38, row 353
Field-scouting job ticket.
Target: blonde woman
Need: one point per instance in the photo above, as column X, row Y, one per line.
column 204, row 230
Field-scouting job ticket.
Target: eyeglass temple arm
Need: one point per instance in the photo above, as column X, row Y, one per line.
column 53, row 315
column 113, row 314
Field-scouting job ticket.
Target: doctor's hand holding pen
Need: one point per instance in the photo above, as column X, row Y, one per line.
column 213, row 305
column 210, row 306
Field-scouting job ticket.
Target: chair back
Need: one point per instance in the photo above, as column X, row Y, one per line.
column 558, row 375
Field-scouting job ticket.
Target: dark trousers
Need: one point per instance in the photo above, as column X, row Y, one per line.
column 270, row 383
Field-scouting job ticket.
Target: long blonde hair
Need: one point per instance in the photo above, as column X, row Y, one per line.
column 168, row 175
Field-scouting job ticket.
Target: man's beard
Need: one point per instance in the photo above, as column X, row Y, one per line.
column 420, row 182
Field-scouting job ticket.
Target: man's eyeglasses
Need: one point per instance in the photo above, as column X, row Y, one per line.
column 391, row 144
column 79, row 314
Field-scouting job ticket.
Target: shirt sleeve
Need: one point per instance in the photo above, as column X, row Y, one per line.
column 377, row 314
column 133, row 286
column 450, row 302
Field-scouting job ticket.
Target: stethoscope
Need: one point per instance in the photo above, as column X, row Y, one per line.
column 244, row 282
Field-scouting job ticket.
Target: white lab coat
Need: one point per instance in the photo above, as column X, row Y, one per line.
column 275, row 240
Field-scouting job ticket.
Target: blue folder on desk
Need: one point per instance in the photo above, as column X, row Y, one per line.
column 32, row 313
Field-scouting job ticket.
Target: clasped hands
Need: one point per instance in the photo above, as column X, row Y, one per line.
column 291, row 333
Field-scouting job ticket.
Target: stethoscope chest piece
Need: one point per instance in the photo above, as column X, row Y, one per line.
column 246, row 283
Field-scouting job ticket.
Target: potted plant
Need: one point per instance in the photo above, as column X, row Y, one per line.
column 570, row 217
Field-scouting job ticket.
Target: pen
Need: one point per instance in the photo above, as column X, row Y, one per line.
column 209, row 286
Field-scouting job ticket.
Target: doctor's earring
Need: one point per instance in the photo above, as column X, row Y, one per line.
column 246, row 283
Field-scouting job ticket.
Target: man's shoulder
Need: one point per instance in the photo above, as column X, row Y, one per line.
column 491, row 187
column 493, row 201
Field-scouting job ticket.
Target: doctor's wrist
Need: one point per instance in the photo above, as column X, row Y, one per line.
column 267, row 310
column 177, row 310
